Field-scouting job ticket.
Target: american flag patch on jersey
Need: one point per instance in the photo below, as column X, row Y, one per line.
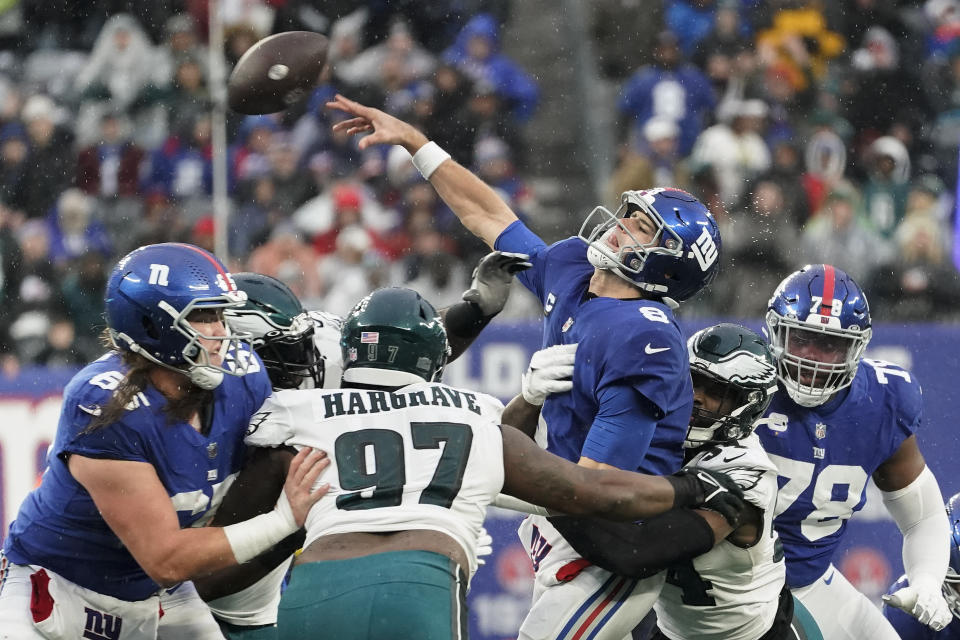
column 369, row 337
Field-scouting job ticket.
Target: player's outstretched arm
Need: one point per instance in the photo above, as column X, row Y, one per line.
column 135, row 505
column 912, row 496
column 486, row 297
column 255, row 492
column 478, row 207
column 539, row 477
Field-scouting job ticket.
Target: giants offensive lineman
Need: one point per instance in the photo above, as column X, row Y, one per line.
column 840, row 420
column 149, row 437
column 610, row 290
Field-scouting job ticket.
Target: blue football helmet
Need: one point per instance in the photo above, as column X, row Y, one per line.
column 682, row 257
column 150, row 295
column 819, row 325
column 951, row 584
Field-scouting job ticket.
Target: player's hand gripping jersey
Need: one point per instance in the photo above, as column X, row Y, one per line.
column 631, row 352
column 726, row 592
column 825, row 455
column 426, row 456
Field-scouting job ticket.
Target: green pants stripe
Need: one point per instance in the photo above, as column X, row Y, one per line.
column 418, row 595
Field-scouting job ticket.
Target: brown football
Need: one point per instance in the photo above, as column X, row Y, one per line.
column 276, row 72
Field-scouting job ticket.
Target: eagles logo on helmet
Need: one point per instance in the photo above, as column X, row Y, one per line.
column 734, row 364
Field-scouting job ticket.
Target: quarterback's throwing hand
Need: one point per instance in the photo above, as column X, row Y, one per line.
column 551, row 371
column 492, row 278
column 382, row 127
column 925, row 604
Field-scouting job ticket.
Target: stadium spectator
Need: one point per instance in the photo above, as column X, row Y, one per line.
column 14, row 150
column 353, row 269
column 654, row 159
column 887, row 184
column 110, row 168
column 476, row 52
column 50, row 165
column 74, row 230
column 286, row 257
column 840, row 234
column 613, row 21
column 735, row 151
column 123, row 62
column 670, row 88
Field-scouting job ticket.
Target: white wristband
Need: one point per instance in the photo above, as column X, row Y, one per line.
column 250, row 538
column 428, row 158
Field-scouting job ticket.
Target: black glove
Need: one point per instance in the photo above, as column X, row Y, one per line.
column 492, row 279
column 704, row 489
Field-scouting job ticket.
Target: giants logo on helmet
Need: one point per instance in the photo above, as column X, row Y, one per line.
column 704, row 250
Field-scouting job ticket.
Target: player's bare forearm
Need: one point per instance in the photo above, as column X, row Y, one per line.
column 521, row 414
column 257, row 487
column 255, row 491
column 238, row 577
column 539, row 477
column 902, row 468
column 477, row 206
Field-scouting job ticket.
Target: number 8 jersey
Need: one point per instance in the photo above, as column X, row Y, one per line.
column 825, row 455
column 426, row 456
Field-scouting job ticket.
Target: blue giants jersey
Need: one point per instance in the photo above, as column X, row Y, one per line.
column 909, row 628
column 825, row 455
column 58, row 526
column 621, row 342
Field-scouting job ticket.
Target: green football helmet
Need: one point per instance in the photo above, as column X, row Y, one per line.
column 733, row 364
column 282, row 331
column 391, row 338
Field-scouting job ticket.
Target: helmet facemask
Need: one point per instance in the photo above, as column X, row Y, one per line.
column 734, row 415
column 628, row 259
column 812, row 381
column 289, row 354
column 204, row 367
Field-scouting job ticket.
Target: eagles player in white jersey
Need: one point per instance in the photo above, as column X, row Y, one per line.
column 301, row 349
column 723, row 581
column 414, row 465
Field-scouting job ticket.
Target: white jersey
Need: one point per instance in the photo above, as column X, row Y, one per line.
column 326, row 339
column 729, row 592
column 426, row 456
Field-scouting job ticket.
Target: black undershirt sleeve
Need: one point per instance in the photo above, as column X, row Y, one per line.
column 463, row 321
column 637, row 550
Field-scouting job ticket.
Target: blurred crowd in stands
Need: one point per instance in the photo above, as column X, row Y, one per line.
column 815, row 130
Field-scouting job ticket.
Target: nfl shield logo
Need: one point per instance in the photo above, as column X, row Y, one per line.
column 352, row 354
column 566, row 325
column 820, row 430
column 212, row 450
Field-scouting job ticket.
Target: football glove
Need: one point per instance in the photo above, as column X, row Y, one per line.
column 924, row 603
column 550, row 371
column 484, row 546
column 705, row 489
column 492, row 278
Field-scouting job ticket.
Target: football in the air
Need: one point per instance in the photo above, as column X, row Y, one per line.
column 276, row 72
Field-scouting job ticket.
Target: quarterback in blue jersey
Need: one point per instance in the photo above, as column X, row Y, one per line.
column 150, row 435
column 909, row 627
column 840, row 420
column 612, row 290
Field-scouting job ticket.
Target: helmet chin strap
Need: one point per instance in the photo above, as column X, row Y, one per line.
column 205, row 377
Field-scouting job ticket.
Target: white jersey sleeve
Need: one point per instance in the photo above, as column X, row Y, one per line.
column 729, row 592
column 326, row 340
column 272, row 424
